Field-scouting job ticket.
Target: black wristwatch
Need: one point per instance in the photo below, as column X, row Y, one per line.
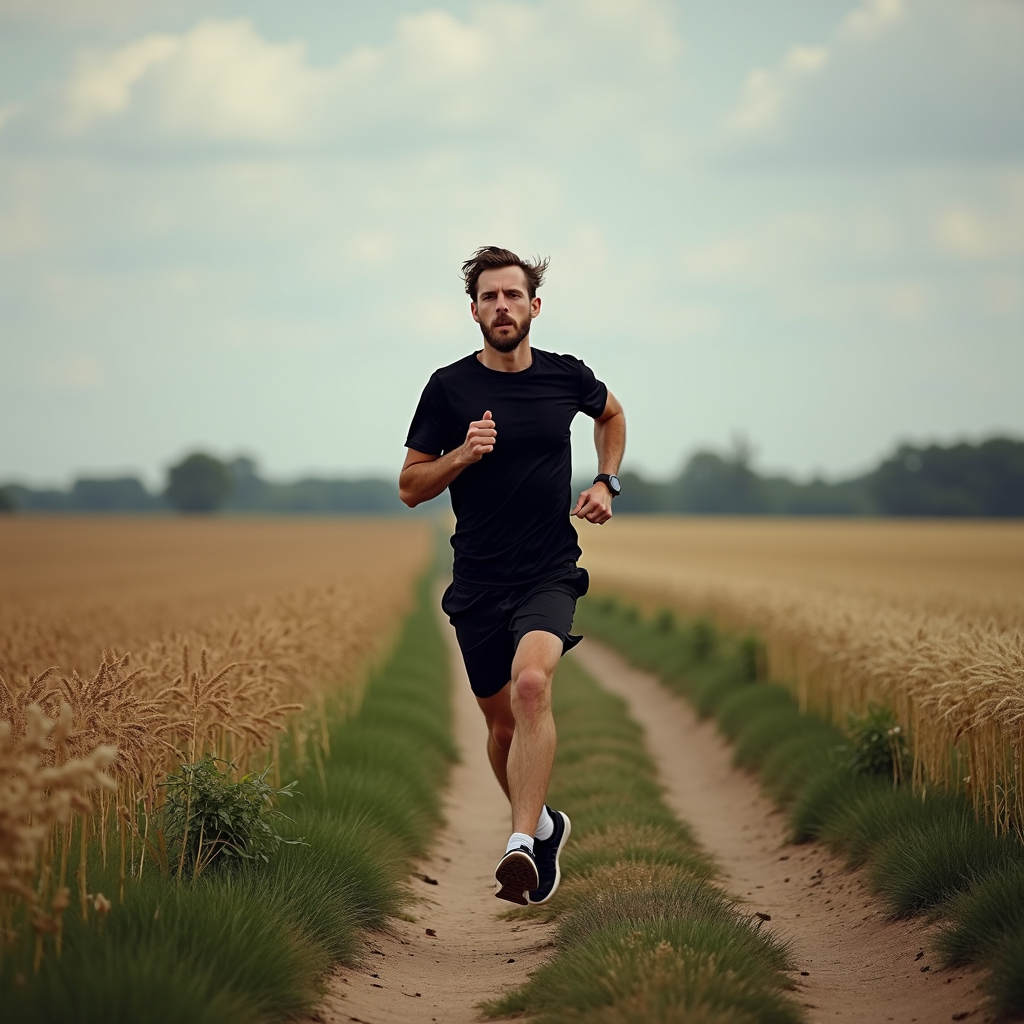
column 611, row 481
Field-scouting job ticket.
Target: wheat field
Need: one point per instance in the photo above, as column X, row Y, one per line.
column 925, row 617
column 131, row 645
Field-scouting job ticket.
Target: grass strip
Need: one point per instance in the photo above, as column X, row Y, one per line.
column 924, row 852
column 643, row 934
column 254, row 944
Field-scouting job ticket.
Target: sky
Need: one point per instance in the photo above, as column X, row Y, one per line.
column 237, row 225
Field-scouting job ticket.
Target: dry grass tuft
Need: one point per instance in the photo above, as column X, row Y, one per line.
column 41, row 788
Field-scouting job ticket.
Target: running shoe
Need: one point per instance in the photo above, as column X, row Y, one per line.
column 546, row 852
column 517, row 874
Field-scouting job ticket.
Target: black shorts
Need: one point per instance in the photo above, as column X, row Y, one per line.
column 490, row 622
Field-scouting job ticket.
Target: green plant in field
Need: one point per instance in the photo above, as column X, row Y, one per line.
column 703, row 639
column 665, row 621
column 878, row 745
column 208, row 817
column 751, row 657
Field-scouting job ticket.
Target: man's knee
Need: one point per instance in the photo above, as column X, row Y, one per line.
column 502, row 732
column 531, row 692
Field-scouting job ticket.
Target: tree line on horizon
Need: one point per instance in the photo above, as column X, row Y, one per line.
column 964, row 479
column 201, row 483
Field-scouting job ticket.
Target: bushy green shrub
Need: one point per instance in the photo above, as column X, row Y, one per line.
column 877, row 745
column 983, row 917
column 703, row 639
column 209, row 818
column 919, row 867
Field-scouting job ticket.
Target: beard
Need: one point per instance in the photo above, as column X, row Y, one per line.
column 507, row 343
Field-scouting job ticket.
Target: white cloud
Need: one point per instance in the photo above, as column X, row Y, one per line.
column 968, row 234
column 102, row 84
column 898, row 80
column 872, row 17
column 580, row 69
column 24, row 225
column 876, row 264
column 987, row 229
column 8, row 111
column 963, row 233
column 765, row 92
column 907, row 301
column 71, row 373
column 220, row 82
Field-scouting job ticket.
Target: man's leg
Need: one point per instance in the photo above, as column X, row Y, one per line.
column 521, row 730
column 500, row 728
column 532, row 751
column 522, row 758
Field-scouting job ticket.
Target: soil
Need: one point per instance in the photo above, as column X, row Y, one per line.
column 455, row 951
column 852, row 963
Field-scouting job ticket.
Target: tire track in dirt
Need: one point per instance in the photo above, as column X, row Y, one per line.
column 853, row 964
column 454, row 952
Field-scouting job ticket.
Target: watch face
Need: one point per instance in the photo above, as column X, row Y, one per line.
column 613, row 483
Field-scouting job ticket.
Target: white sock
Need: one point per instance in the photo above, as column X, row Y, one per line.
column 545, row 826
column 519, row 839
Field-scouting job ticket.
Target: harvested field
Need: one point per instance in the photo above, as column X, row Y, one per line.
column 922, row 617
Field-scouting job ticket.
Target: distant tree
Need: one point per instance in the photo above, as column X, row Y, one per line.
column 248, row 488
column 119, row 494
column 817, row 497
column 986, row 479
column 28, row 500
column 199, row 483
column 340, row 497
column 7, row 503
column 639, row 495
column 714, row 483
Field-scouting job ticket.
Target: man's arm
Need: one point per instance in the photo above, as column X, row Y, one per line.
column 425, row 476
column 595, row 503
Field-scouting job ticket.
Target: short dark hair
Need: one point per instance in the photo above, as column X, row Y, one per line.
column 490, row 257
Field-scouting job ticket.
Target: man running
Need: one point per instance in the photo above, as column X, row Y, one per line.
column 494, row 429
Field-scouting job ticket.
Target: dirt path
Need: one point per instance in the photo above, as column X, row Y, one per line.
column 412, row 976
column 853, row 964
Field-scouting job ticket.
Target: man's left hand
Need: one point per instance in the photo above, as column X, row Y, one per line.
column 594, row 504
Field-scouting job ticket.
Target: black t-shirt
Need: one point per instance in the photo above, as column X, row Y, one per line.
column 512, row 507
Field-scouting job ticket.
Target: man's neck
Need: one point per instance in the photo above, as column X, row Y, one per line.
column 520, row 358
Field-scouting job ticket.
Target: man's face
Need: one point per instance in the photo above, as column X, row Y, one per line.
column 503, row 307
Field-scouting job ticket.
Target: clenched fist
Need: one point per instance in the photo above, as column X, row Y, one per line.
column 480, row 439
column 594, row 504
